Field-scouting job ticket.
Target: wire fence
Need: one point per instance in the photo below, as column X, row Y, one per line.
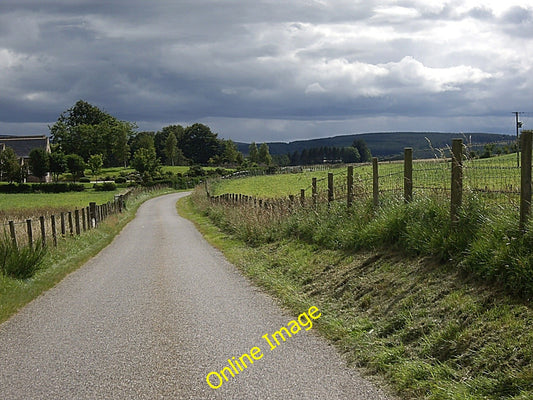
column 48, row 229
column 490, row 170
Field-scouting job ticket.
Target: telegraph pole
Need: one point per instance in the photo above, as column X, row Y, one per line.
column 518, row 126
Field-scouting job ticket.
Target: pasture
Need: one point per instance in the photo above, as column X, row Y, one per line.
column 497, row 174
column 25, row 205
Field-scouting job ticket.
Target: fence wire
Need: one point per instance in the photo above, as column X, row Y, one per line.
column 489, row 170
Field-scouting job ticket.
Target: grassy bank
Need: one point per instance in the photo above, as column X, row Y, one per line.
column 433, row 328
column 71, row 253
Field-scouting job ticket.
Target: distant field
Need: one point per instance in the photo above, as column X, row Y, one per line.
column 25, row 205
column 492, row 174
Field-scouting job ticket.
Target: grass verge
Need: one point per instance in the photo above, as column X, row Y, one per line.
column 426, row 327
column 70, row 254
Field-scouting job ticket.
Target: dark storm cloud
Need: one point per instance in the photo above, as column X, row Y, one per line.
column 280, row 69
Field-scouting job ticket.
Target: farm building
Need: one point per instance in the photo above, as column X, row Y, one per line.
column 23, row 145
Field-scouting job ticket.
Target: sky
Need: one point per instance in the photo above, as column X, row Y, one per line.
column 265, row 70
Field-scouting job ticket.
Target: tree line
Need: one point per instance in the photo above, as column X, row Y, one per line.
column 357, row 152
column 84, row 136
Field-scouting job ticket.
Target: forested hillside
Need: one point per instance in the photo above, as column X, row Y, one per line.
column 386, row 144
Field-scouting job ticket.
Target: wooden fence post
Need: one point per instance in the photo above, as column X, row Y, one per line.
column 330, row 187
column 525, row 178
column 302, row 197
column 54, row 232
column 314, row 192
column 30, row 232
column 457, row 179
column 375, row 182
column 88, row 215
column 13, row 233
column 92, row 214
column 63, row 229
column 70, row 224
column 77, row 220
column 83, row 219
column 349, row 183
column 43, row 231
column 408, row 174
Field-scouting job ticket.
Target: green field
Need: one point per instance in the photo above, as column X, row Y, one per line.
column 28, row 205
column 492, row 174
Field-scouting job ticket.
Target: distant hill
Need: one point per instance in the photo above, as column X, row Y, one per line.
column 386, row 144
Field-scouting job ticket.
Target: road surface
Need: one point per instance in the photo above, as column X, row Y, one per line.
column 152, row 315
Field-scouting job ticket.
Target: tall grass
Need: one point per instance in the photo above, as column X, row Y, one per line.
column 20, row 262
column 484, row 242
column 431, row 333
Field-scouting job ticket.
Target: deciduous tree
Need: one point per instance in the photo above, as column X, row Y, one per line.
column 199, row 144
column 171, row 148
column 39, row 163
column 10, row 169
column 75, row 165
column 363, row 150
column 253, row 155
column 86, row 130
column 263, row 154
column 95, row 163
column 58, row 164
column 231, row 153
column 146, row 161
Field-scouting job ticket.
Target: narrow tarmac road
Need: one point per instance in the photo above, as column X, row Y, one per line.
column 154, row 313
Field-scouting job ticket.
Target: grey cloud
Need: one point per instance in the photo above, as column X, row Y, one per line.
column 518, row 21
column 481, row 13
column 305, row 61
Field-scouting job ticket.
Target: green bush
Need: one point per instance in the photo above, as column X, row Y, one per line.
column 120, row 179
column 105, row 187
column 195, row 171
column 20, row 262
column 58, row 187
column 15, row 188
column 76, row 187
column 85, row 180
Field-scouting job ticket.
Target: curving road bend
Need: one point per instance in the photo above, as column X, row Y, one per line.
column 154, row 313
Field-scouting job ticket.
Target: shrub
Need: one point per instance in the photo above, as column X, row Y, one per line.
column 20, row 262
column 42, row 188
column 195, row 170
column 13, row 188
column 85, row 180
column 120, row 179
column 76, row 187
column 105, row 187
column 58, row 187
column 51, row 187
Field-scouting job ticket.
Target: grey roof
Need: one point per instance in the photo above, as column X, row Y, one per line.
column 22, row 145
